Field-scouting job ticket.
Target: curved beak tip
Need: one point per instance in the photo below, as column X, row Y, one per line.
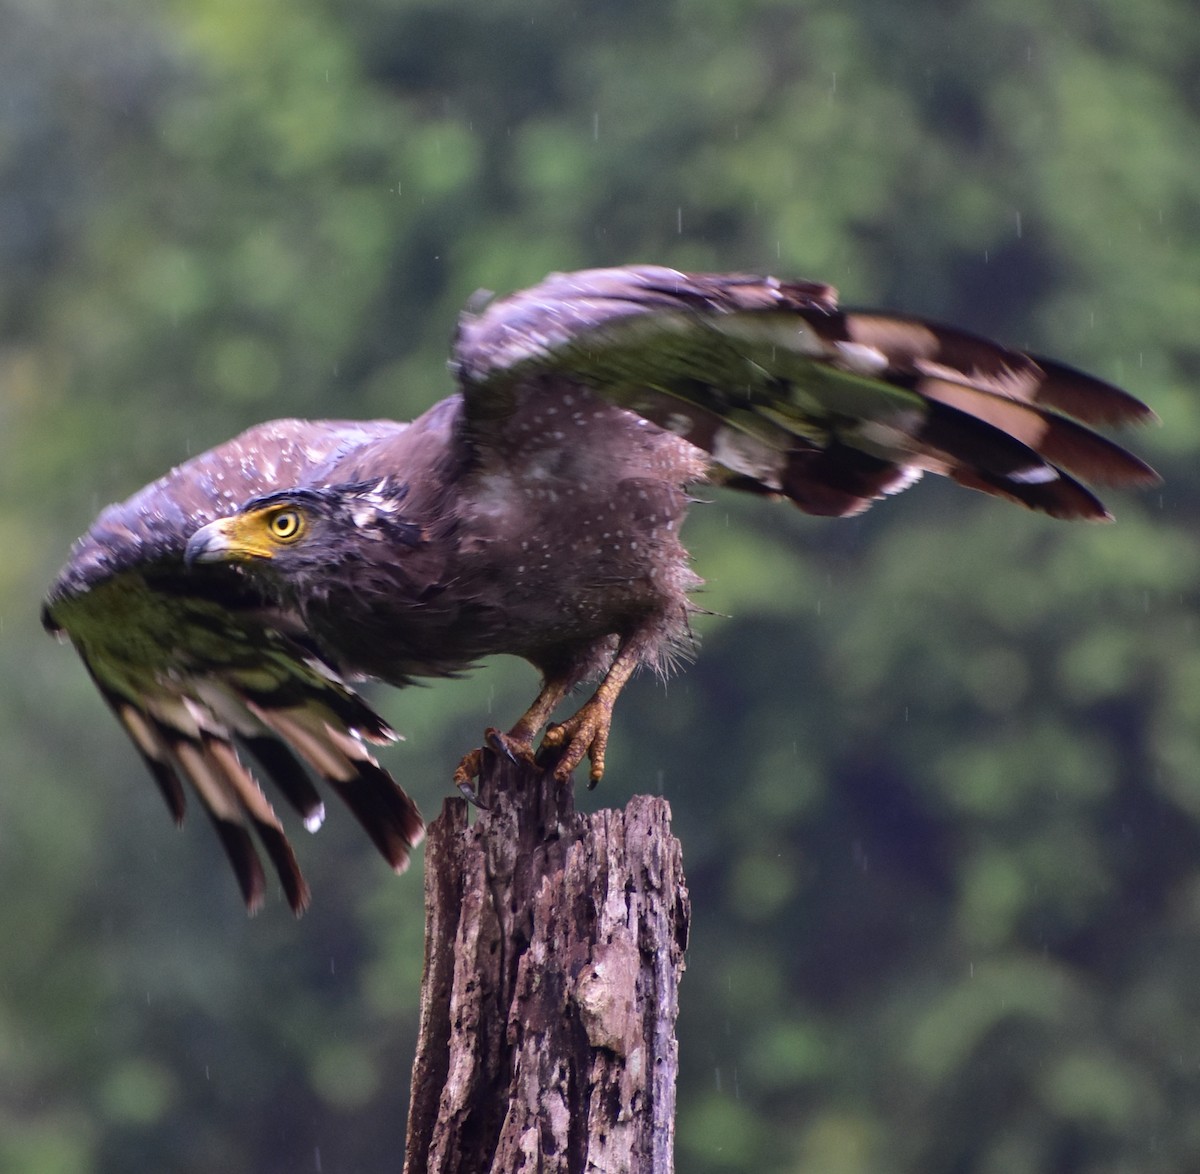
column 207, row 545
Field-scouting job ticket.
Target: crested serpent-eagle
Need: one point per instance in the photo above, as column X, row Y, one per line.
column 227, row 607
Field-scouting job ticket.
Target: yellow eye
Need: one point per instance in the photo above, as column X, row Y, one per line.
column 286, row 525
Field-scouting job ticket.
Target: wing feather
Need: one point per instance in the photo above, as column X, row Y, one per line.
column 154, row 750
column 289, row 776
column 194, row 662
column 386, row 813
column 791, row 395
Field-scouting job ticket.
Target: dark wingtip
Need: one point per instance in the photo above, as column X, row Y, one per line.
column 385, row 811
column 295, row 887
column 288, row 775
column 1093, row 457
column 1063, row 497
column 1089, row 399
column 169, row 786
column 247, row 867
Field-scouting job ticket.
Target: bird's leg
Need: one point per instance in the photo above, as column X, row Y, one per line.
column 518, row 742
column 586, row 731
column 584, row 734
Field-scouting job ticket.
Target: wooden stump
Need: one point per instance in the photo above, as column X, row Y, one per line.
column 553, row 949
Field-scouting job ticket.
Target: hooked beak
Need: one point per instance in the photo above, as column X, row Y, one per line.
column 225, row 540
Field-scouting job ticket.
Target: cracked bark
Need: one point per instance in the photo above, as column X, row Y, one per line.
column 553, row 949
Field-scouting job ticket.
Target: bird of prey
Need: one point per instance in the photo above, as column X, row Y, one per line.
column 225, row 610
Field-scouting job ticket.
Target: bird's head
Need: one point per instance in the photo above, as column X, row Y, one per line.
column 297, row 531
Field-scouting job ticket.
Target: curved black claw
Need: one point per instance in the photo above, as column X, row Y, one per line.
column 465, row 775
column 501, row 743
column 468, row 792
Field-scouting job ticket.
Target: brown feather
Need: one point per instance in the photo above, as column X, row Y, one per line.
column 387, row 814
column 1061, row 441
column 934, row 349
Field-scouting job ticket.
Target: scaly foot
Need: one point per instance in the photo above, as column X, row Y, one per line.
column 517, row 744
column 583, row 734
column 586, row 733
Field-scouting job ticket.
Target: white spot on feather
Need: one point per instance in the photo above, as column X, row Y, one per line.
column 861, row 358
column 1036, row 475
column 909, row 475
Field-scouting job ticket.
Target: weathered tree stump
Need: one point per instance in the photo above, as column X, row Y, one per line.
column 553, row 949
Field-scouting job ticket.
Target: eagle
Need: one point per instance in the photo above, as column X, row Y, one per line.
column 227, row 610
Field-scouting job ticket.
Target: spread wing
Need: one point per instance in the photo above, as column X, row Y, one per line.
column 792, row 395
column 196, row 666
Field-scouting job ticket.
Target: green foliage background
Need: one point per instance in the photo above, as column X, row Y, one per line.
column 935, row 778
